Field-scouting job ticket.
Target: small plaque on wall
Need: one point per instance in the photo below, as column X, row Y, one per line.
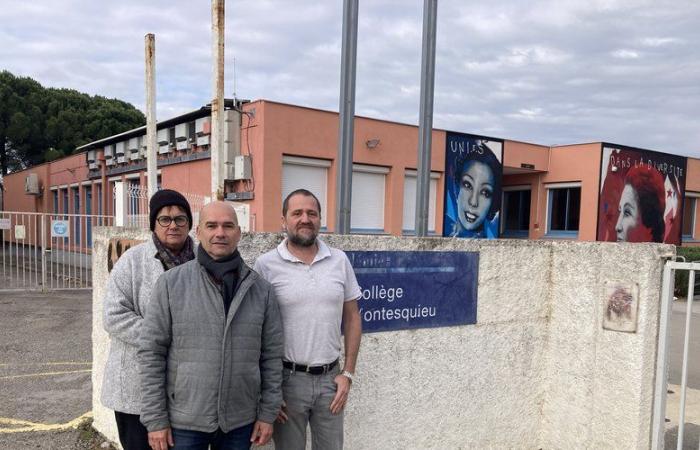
column 621, row 306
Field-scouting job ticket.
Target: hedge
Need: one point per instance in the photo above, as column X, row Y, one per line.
column 691, row 254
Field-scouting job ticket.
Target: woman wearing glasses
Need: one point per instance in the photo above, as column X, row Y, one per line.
column 126, row 299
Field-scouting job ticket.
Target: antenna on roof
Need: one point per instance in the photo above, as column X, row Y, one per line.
column 234, row 80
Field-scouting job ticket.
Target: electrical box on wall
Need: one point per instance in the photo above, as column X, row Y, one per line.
column 238, row 196
column 133, row 147
column 243, row 213
column 31, row 184
column 242, row 169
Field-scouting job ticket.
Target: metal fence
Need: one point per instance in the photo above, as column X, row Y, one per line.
column 42, row 251
column 131, row 200
column 662, row 363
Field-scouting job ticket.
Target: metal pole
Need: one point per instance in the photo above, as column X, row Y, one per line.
column 43, row 253
column 347, row 117
column 151, row 154
column 425, row 128
column 662, row 358
column 686, row 344
column 217, row 102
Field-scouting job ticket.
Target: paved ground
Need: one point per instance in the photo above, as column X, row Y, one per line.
column 45, row 384
column 45, row 365
column 691, row 432
column 677, row 340
column 692, row 399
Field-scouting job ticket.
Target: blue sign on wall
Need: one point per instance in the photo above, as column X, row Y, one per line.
column 406, row 290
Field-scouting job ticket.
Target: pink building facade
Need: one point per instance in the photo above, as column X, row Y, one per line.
column 562, row 192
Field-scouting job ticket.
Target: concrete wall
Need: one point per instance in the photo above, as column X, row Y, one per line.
column 536, row 371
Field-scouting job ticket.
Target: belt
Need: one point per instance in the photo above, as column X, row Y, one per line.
column 313, row 370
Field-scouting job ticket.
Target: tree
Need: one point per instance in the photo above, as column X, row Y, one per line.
column 39, row 124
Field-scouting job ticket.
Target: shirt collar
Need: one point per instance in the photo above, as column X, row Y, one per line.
column 323, row 251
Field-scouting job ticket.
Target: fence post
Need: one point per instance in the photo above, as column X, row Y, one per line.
column 43, row 253
column 662, row 357
column 121, row 198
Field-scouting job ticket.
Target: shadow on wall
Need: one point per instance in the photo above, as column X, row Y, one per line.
column 691, row 437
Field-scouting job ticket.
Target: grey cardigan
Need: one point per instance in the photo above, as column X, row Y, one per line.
column 202, row 369
column 127, row 296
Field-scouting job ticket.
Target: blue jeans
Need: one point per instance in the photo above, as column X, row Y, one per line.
column 236, row 439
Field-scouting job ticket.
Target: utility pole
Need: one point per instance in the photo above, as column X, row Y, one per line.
column 347, row 117
column 425, row 128
column 216, row 145
column 151, row 124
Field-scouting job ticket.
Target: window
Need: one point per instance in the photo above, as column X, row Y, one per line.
column 76, row 210
column 367, row 206
column 516, row 212
column 88, row 211
column 134, row 193
column 563, row 209
column 55, row 201
column 113, row 194
column 65, row 202
column 410, row 184
column 98, row 188
column 689, row 204
column 307, row 173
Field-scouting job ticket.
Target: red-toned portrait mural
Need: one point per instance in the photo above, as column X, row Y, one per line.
column 641, row 196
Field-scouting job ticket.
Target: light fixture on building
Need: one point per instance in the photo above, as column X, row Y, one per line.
column 372, row 143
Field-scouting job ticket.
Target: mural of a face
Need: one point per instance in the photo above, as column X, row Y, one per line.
column 475, row 194
column 628, row 218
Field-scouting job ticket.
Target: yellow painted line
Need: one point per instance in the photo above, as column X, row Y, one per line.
column 23, row 426
column 44, row 374
column 64, row 363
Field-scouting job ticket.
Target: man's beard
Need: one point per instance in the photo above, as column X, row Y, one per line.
column 300, row 240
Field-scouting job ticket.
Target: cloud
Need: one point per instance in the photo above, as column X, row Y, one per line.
column 544, row 71
column 625, row 54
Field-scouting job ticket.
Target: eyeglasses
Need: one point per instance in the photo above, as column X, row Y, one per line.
column 165, row 221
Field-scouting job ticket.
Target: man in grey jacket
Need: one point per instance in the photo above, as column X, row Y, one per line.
column 210, row 350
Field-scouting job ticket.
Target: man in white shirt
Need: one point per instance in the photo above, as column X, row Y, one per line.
column 317, row 291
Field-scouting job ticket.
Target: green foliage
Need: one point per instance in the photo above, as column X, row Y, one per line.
column 39, row 124
column 51, row 154
column 691, row 254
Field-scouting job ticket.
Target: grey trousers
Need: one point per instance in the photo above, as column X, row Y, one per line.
column 308, row 399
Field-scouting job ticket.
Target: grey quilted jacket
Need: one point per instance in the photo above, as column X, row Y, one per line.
column 200, row 369
column 125, row 302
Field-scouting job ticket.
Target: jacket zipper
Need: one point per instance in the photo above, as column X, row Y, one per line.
column 237, row 298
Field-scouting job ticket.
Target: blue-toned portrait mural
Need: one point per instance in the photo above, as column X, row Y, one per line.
column 473, row 178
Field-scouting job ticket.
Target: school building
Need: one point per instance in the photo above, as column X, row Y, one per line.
column 271, row 148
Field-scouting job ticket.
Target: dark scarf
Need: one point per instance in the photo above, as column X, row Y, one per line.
column 225, row 271
column 170, row 260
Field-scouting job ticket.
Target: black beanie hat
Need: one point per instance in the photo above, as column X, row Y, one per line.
column 168, row 197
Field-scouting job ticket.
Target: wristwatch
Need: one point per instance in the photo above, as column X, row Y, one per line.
column 347, row 375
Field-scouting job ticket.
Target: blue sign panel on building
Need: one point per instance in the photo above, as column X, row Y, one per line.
column 406, row 290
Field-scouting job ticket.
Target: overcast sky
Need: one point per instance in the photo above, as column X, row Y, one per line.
column 548, row 72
